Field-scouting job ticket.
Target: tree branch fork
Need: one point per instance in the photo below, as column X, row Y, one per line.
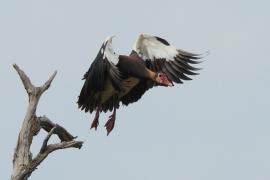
column 23, row 163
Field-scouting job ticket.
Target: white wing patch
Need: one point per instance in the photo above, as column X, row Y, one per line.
column 163, row 57
column 148, row 47
column 109, row 51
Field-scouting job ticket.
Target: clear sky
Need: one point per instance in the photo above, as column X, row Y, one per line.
column 215, row 127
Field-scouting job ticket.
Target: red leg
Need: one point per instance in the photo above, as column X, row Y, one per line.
column 110, row 123
column 95, row 121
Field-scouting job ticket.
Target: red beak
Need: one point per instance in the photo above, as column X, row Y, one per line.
column 164, row 80
column 167, row 82
column 170, row 83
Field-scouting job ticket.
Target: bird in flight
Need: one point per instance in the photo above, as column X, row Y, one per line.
column 113, row 79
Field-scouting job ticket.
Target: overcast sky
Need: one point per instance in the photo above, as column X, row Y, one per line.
column 215, row 127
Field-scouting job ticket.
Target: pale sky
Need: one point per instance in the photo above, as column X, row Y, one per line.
column 215, row 127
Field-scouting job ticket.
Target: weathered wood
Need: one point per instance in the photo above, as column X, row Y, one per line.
column 23, row 164
column 61, row 132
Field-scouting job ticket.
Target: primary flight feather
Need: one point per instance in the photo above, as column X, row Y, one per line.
column 114, row 78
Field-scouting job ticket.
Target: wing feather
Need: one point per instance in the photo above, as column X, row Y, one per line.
column 183, row 69
column 179, row 73
column 173, row 74
column 163, row 57
column 102, row 70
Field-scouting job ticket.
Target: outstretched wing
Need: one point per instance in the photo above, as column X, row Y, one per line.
column 160, row 56
column 103, row 71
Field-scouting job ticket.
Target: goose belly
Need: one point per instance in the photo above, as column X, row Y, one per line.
column 108, row 92
column 128, row 84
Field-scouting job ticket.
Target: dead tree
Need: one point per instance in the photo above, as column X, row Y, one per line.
column 23, row 161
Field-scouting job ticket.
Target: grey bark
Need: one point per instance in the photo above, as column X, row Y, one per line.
column 23, row 163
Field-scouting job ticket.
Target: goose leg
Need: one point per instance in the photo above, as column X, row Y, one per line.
column 110, row 123
column 95, row 121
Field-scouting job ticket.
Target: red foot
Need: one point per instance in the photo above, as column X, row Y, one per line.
column 110, row 123
column 95, row 121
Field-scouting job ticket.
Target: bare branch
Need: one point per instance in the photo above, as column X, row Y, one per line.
column 65, row 145
column 61, row 132
column 29, row 87
column 47, row 84
column 45, row 142
column 23, row 164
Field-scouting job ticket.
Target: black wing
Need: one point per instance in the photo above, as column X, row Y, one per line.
column 102, row 72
